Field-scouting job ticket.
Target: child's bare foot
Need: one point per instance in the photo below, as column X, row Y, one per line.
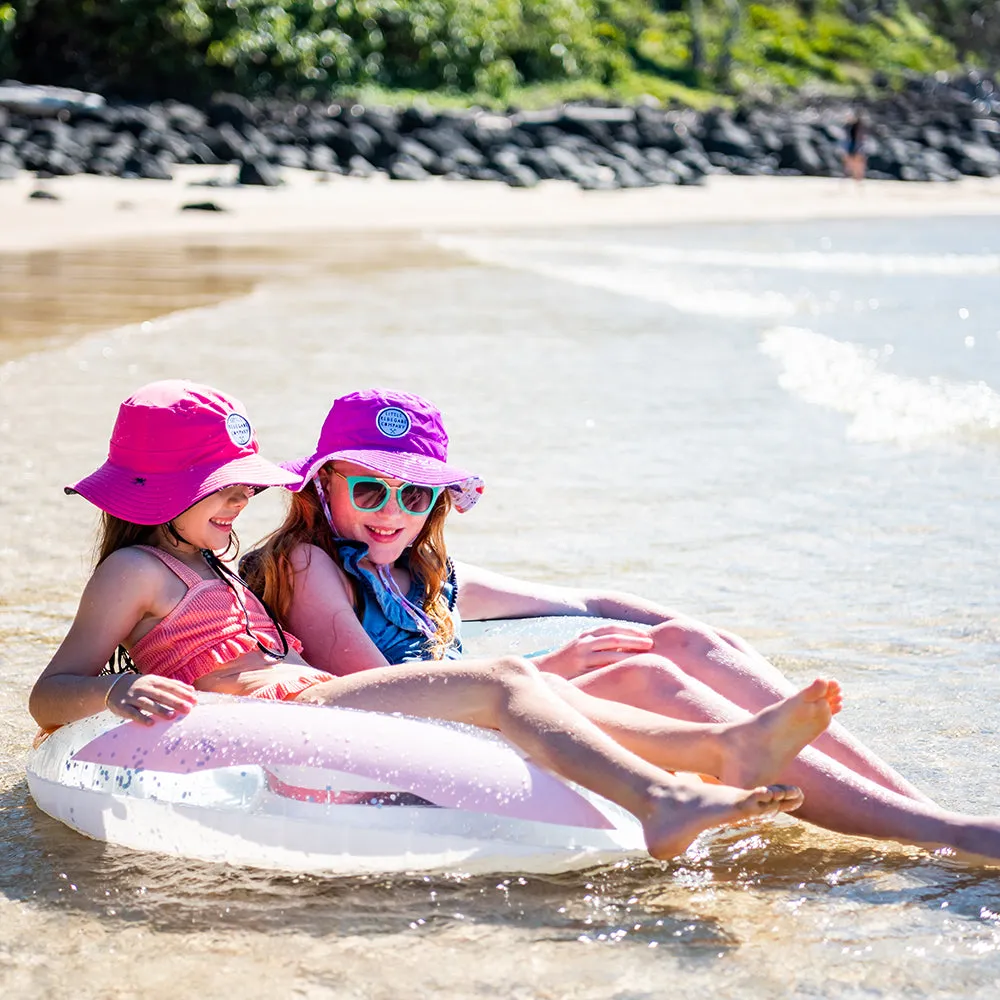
column 762, row 747
column 683, row 810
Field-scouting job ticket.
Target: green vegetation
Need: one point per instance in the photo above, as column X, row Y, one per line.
column 529, row 52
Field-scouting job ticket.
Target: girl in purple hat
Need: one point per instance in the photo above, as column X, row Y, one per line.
column 183, row 463
column 360, row 571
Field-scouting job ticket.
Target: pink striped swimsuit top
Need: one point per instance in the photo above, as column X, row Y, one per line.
column 205, row 630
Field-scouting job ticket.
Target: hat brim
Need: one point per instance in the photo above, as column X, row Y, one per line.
column 159, row 498
column 421, row 470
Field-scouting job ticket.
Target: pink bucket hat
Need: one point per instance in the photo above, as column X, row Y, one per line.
column 395, row 433
column 175, row 443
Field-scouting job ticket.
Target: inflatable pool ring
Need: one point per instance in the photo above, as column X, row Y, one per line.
column 325, row 790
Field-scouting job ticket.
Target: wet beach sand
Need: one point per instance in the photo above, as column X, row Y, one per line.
column 109, row 252
column 298, row 294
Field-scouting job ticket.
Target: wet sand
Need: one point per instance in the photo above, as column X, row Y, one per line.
column 51, row 296
column 110, row 252
column 97, row 210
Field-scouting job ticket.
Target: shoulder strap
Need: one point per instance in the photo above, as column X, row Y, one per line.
column 187, row 575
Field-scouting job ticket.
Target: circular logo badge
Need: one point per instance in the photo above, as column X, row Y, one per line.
column 393, row 422
column 238, row 429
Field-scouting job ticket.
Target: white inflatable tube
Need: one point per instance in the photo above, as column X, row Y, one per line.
column 324, row 790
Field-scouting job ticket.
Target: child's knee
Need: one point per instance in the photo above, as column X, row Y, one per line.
column 513, row 670
column 635, row 678
column 683, row 636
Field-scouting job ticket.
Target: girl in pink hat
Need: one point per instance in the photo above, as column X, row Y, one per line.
column 360, row 571
column 183, row 463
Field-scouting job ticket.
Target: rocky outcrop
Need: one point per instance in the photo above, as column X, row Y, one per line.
column 936, row 130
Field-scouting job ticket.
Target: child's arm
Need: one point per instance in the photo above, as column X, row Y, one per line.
column 123, row 590
column 484, row 595
column 323, row 617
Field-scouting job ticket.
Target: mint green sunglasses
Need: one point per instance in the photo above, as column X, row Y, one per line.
column 369, row 494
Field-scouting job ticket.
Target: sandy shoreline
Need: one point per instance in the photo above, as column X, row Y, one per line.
column 110, row 251
column 101, row 210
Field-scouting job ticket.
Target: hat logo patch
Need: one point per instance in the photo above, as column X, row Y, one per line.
column 393, row 422
column 238, row 429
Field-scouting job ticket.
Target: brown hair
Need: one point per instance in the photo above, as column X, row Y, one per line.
column 268, row 571
column 114, row 534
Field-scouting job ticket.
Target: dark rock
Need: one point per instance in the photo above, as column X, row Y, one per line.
column 446, row 142
column 933, row 137
column 231, row 109
column 295, row 157
column 322, row 158
column 358, row 166
column 185, row 119
column 166, row 146
column 364, row 140
column 13, row 135
column 405, row 168
column 628, row 176
column 10, row 163
column 599, row 180
column 60, row 164
column 695, row 160
column 484, row 174
column 462, row 159
column 41, row 195
column 938, row 166
column 261, row 147
column 32, row 156
column 259, row 173
column 414, row 118
column 227, row 144
column 660, row 175
column 103, row 167
column 201, row 153
column 979, row 160
column 519, row 175
column 148, row 167
column 798, row 154
column 724, row 136
column 409, row 147
column 541, row 161
column 202, row 206
column 567, row 163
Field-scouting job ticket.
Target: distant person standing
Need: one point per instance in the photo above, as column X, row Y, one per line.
column 855, row 156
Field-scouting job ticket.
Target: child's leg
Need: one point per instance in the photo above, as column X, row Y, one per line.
column 510, row 695
column 837, row 797
column 734, row 669
column 742, row 753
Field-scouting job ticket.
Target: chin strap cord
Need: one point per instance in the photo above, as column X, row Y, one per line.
column 235, row 584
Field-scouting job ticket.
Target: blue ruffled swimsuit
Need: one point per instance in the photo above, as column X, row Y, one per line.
column 388, row 624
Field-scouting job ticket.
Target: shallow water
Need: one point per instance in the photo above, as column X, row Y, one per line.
column 790, row 430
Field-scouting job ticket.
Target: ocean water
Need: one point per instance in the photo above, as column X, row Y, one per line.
column 790, row 430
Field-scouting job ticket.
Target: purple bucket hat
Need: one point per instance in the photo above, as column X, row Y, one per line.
column 395, row 433
column 175, row 443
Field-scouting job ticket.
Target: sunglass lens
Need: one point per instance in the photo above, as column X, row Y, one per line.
column 370, row 495
column 416, row 499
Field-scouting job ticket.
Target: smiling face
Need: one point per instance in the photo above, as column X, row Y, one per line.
column 386, row 532
column 209, row 523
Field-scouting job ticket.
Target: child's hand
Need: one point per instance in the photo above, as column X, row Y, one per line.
column 597, row 647
column 147, row 697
